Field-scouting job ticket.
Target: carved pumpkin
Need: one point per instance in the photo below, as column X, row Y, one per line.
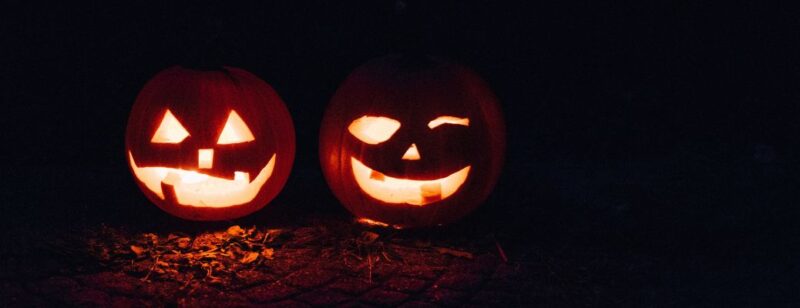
column 412, row 142
column 209, row 145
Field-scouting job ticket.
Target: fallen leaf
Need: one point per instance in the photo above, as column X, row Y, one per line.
column 152, row 237
column 267, row 253
column 368, row 237
column 184, row 242
column 219, row 235
column 249, row 257
column 272, row 234
column 453, row 252
column 139, row 251
column 214, row 280
column 208, row 254
column 235, row 230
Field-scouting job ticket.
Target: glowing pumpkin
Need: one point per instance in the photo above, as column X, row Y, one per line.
column 209, row 145
column 412, row 142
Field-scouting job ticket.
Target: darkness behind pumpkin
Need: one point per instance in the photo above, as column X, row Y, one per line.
column 668, row 129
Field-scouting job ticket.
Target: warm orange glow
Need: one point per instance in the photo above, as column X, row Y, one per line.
column 373, row 130
column 235, row 131
column 415, row 192
column 170, row 130
column 371, row 222
column 448, row 120
column 205, row 158
column 201, row 190
column 412, row 153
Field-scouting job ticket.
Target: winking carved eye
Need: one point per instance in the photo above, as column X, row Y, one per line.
column 448, row 120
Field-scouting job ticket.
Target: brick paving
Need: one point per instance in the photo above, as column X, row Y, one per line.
column 302, row 273
column 630, row 255
column 310, row 285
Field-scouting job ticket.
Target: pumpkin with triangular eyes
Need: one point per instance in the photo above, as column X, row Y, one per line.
column 209, row 144
column 412, row 141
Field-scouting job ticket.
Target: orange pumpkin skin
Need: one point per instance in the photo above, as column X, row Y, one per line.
column 421, row 153
column 203, row 103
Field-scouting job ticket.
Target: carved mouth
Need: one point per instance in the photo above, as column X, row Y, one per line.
column 192, row 188
column 414, row 192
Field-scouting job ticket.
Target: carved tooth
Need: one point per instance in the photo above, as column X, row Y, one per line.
column 240, row 176
column 168, row 192
column 431, row 192
column 172, row 178
column 375, row 175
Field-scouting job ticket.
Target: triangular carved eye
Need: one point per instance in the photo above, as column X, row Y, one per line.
column 170, row 130
column 235, row 131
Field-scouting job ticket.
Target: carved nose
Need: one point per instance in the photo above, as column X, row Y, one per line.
column 411, row 153
column 205, row 158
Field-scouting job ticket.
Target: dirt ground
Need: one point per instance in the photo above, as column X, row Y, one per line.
column 621, row 235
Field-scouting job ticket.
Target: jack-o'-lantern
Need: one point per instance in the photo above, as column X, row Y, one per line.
column 209, row 144
column 412, row 141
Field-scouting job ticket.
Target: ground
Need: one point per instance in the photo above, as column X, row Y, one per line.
column 632, row 234
column 330, row 263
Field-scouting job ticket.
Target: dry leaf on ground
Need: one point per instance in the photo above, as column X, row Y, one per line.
column 368, row 237
column 139, row 251
column 235, row 230
column 267, row 253
column 453, row 252
column 249, row 257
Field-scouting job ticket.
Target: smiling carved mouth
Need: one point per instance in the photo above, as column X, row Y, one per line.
column 414, row 192
column 201, row 190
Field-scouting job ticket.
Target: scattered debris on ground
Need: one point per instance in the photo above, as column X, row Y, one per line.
column 212, row 257
column 216, row 257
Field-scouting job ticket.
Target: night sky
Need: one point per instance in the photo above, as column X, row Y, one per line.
column 697, row 102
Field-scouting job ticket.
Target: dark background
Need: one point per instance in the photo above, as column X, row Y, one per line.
column 662, row 129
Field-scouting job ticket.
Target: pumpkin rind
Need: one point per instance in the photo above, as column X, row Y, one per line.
column 202, row 102
column 414, row 91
